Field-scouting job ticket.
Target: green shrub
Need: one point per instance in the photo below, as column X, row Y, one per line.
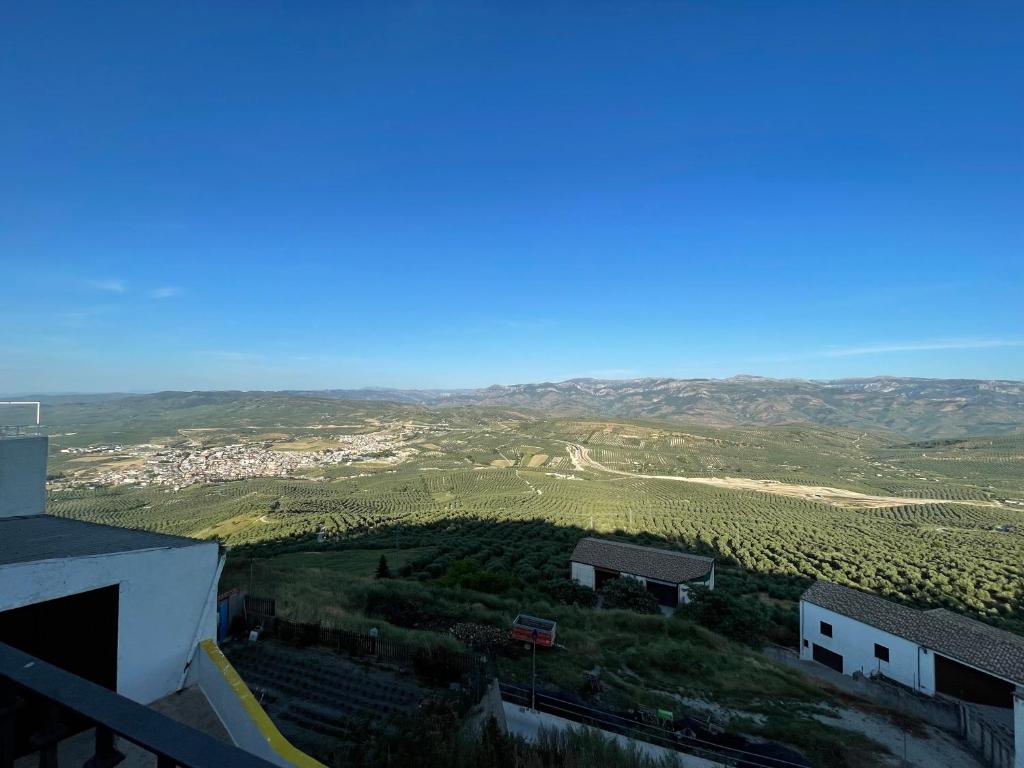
column 573, row 593
column 739, row 617
column 469, row 575
column 628, row 594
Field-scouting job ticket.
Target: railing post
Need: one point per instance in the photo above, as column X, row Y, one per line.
column 47, row 738
column 8, row 714
column 106, row 755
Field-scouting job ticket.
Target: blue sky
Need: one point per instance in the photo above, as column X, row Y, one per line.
column 269, row 195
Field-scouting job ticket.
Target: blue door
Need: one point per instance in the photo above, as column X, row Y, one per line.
column 222, row 620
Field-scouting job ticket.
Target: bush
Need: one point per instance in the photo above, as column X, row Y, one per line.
column 469, row 575
column 395, row 609
column 738, row 617
column 573, row 593
column 628, row 594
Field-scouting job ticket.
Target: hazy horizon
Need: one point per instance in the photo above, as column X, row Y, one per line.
column 386, row 388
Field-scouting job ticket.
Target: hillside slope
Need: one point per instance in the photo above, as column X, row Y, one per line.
column 917, row 407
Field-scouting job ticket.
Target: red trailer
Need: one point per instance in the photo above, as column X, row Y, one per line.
column 530, row 629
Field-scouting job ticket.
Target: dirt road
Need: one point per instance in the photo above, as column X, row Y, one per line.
column 838, row 497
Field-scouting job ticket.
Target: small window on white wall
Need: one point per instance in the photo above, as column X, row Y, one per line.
column 881, row 652
column 826, row 629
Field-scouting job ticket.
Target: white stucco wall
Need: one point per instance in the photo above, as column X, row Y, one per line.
column 855, row 642
column 1018, row 727
column 227, row 703
column 22, row 475
column 584, row 574
column 163, row 603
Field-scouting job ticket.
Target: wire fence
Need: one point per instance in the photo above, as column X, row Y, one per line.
column 682, row 740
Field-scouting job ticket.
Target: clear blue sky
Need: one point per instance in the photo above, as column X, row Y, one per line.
column 284, row 195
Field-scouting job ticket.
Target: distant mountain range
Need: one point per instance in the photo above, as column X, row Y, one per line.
column 919, row 407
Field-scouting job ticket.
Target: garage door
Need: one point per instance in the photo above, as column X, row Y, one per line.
column 955, row 679
column 828, row 658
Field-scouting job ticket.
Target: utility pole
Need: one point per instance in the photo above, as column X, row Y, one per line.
column 533, row 686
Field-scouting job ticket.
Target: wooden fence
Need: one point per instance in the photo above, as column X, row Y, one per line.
column 261, row 607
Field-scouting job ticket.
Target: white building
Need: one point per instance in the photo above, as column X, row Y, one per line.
column 131, row 611
column 667, row 574
column 932, row 652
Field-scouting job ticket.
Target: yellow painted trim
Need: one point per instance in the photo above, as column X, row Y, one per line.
column 266, row 727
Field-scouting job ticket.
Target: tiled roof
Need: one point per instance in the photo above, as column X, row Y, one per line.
column 45, row 537
column 962, row 639
column 649, row 562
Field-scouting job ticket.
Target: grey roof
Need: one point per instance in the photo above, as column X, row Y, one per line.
column 45, row 537
column 649, row 562
column 962, row 639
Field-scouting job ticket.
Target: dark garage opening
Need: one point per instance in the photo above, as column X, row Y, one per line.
column 828, row 658
column 665, row 594
column 955, row 679
column 77, row 633
column 602, row 576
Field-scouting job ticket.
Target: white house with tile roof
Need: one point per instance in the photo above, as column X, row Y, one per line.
column 932, row 652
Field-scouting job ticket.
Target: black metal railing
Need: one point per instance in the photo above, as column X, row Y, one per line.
column 41, row 704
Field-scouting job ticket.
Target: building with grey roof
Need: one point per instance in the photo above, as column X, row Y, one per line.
column 667, row 574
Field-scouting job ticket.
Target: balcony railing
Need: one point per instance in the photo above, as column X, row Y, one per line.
column 62, row 696
column 20, row 430
column 21, row 406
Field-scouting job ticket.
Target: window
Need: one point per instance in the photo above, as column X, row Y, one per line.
column 806, row 644
column 826, row 629
column 881, row 652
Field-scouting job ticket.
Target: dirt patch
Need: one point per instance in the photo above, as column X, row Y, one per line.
column 537, row 459
column 229, row 526
column 502, row 463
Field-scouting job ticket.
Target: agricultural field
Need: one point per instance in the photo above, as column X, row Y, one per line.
column 504, row 496
column 943, row 524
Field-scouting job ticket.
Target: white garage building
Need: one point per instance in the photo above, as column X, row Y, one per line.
column 932, row 652
column 667, row 574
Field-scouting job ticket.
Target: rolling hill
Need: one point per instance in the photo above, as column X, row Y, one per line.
column 915, row 407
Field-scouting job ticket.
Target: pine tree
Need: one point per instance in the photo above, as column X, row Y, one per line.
column 383, row 572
